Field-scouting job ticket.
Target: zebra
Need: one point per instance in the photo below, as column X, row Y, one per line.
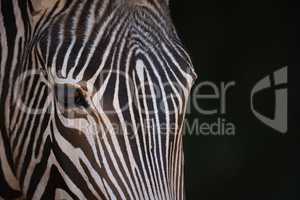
column 93, row 97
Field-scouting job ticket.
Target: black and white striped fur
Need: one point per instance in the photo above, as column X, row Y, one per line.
column 93, row 97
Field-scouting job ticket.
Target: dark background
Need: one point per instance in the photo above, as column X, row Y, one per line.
column 241, row 41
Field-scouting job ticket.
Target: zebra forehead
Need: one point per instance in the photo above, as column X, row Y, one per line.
column 85, row 16
column 82, row 42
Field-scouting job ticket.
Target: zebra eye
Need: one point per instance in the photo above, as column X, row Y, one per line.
column 70, row 96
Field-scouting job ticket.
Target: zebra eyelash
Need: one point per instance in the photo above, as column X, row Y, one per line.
column 70, row 97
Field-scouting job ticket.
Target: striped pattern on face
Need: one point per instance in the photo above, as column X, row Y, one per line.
column 95, row 102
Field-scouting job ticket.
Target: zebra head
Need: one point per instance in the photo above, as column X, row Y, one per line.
column 113, row 85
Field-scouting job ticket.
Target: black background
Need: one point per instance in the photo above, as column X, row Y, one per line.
column 241, row 41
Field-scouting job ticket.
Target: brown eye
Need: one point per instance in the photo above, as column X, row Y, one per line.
column 70, row 96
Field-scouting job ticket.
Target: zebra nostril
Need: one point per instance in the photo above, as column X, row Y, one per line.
column 70, row 96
